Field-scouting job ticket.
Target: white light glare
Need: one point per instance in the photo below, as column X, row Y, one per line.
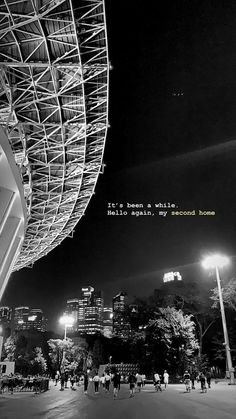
column 215, row 261
column 32, row 318
column 67, row 320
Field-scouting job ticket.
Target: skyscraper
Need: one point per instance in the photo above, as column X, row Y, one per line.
column 37, row 320
column 21, row 317
column 90, row 317
column 29, row 319
column 121, row 325
column 72, row 310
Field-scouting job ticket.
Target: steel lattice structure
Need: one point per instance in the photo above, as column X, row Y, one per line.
column 54, row 107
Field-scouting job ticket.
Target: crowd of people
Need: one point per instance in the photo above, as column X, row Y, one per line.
column 204, row 377
column 106, row 381
column 114, row 379
column 16, row 382
column 111, row 382
column 66, row 379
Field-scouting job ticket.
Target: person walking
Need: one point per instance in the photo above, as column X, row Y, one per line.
column 157, row 381
column 116, row 384
column 86, row 381
column 131, row 381
column 96, row 380
column 102, row 381
column 107, row 382
column 192, row 379
column 202, row 380
column 62, row 381
column 139, row 381
column 208, row 378
column 72, row 381
column 66, row 378
column 186, row 380
column 57, row 376
column 166, row 378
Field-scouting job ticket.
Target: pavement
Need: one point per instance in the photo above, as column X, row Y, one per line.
column 173, row 403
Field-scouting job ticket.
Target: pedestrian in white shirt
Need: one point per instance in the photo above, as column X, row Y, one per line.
column 138, row 381
column 102, row 380
column 166, row 378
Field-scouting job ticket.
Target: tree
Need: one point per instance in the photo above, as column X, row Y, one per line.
column 172, row 336
column 9, row 349
column 15, row 350
column 228, row 294
column 39, row 364
column 97, row 353
column 57, row 349
column 64, row 354
column 193, row 297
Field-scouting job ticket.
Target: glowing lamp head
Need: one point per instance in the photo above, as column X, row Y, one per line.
column 67, row 320
column 214, row 261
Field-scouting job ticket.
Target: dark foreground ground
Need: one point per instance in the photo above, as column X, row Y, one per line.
column 218, row 403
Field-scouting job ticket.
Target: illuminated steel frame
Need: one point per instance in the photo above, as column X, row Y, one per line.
column 54, row 71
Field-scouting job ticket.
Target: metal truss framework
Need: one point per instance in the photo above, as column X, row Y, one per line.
column 53, row 106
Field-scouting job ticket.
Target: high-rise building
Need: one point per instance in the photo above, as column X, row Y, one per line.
column 72, row 309
column 121, row 325
column 20, row 317
column 84, row 302
column 107, row 322
column 29, row 319
column 90, row 317
column 37, row 320
column 5, row 320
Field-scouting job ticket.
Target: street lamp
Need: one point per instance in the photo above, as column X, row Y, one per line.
column 67, row 321
column 216, row 262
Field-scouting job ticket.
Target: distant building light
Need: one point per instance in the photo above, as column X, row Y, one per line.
column 20, row 321
column 171, row 276
column 32, row 318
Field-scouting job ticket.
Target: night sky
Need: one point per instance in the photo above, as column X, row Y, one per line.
column 172, row 112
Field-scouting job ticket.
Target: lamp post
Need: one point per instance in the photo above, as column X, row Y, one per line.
column 67, row 321
column 216, row 262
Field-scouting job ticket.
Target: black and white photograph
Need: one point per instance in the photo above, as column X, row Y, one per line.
column 117, row 209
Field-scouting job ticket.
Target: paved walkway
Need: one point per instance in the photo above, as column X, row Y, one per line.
column 218, row 403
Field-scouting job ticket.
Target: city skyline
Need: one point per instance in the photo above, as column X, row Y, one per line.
column 72, row 307
column 89, row 313
column 190, row 274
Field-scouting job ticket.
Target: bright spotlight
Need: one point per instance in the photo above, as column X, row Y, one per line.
column 214, row 261
column 67, row 320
